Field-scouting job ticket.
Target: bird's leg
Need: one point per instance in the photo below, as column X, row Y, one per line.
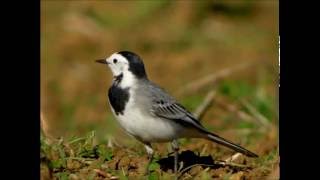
column 150, row 153
column 175, row 147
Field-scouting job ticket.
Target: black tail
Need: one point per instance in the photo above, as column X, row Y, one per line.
column 220, row 140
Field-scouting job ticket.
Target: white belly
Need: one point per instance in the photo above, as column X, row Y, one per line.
column 146, row 127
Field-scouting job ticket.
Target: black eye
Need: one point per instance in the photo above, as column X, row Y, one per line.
column 115, row 61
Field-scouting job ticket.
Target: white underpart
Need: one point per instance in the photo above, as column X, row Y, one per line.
column 144, row 126
column 139, row 122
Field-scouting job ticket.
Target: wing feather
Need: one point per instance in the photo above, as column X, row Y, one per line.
column 165, row 106
column 176, row 112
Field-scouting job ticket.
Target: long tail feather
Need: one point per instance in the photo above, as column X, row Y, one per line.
column 222, row 141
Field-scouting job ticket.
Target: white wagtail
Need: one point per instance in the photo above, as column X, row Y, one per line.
column 148, row 113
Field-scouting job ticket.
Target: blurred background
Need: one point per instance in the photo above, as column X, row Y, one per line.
column 181, row 42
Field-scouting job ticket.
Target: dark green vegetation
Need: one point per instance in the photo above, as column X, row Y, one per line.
column 180, row 43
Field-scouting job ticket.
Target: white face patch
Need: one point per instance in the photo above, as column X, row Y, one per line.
column 120, row 65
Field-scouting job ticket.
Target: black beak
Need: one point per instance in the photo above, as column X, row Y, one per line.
column 102, row 61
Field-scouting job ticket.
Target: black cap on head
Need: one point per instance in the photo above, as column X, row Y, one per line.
column 136, row 65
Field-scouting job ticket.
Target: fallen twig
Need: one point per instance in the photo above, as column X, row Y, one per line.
column 221, row 163
column 233, row 157
column 101, row 173
column 200, row 111
column 224, row 163
column 194, row 165
column 86, row 161
column 212, row 78
column 204, row 149
column 105, row 174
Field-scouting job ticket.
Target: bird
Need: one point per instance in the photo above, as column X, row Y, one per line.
column 149, row 113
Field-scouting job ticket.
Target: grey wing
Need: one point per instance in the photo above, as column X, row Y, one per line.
column 176, row 112
column 167, row 107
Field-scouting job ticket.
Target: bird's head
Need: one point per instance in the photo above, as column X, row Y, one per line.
column 125, row 63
